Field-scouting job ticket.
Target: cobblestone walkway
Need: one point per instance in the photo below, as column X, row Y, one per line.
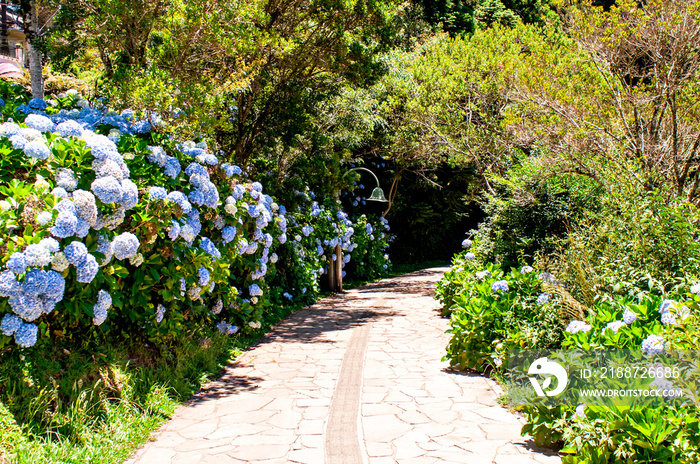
column 355, row 378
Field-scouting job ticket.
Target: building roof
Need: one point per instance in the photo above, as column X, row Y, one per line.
column 10, row 69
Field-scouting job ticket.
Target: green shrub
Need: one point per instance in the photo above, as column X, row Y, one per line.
column 640, row 244
column 531, row 211
column 493, row 311
column 643, row 432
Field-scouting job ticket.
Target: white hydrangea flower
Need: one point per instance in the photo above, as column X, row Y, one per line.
column 59, row 263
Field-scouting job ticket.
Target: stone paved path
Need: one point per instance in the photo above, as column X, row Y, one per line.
column 354, row 379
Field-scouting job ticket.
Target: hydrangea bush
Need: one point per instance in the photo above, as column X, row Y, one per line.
column 106, row 224
column 493, row 311
column 650, row 433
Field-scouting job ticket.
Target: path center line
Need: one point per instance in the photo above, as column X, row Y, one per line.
column 342, row 442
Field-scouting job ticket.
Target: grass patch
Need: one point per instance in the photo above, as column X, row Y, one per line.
column 98, row 403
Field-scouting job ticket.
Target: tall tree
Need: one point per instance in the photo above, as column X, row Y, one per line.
column 625, row 108
column 31, row 29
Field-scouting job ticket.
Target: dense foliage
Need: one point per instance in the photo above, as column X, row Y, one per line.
column 114, row 225
column 561, row 136
column 493, row 312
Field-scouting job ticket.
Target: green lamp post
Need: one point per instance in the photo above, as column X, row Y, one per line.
column 335, row 269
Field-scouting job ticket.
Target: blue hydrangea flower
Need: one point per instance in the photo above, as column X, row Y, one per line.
column 128, row 114
column 194, row 222
column 40, row 123
column 69, row 128
column 306, row 230
column 242, row 246
column 208, row 246
column 180, row 199
column 196, row 197
column 470, row 256
column 34, row 282
column 37, row 149
column 157, row 155
column 629, row 316
column 37, row 255
column 59, row 192
column 108, row 189
column 268, row 240
column 203, row 276
column 653, row 344
column 125, row 245
column 9, row 286
column 253, row 210
column 76, row 252
column 17, row 263
column 100, row 146
column 130, row 196
column 668, row 318
column 187, row 233
column 466, row 243
column 9, row 325
column 238, row 191
column 174, row 230
column 85, row 206
column 9, row 129
column 526, row 269
column 172, row 167
column 104, row 247
column 499, row 285
column 18, row 142
column 82, row 228
column 273, row 258
column 99, row 311
column 577, row 326
column 614, row 326
column 542, row 299
column 666, row 306
column 157, row 193
column 255, row 290
column 37, row 104
column 26, row 306
column 210, row 159
column 287, row 295
column 231, row 170
column 160, row 313
column 26, row 335
column 226, row 329
column 55, row 286
column 228, row 234
column 87, row 270
column 141, row 126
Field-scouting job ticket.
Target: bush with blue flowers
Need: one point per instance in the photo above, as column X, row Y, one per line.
column 110, row 227
column 493, row 311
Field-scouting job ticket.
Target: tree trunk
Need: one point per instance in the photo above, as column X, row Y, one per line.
column 35, row 71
